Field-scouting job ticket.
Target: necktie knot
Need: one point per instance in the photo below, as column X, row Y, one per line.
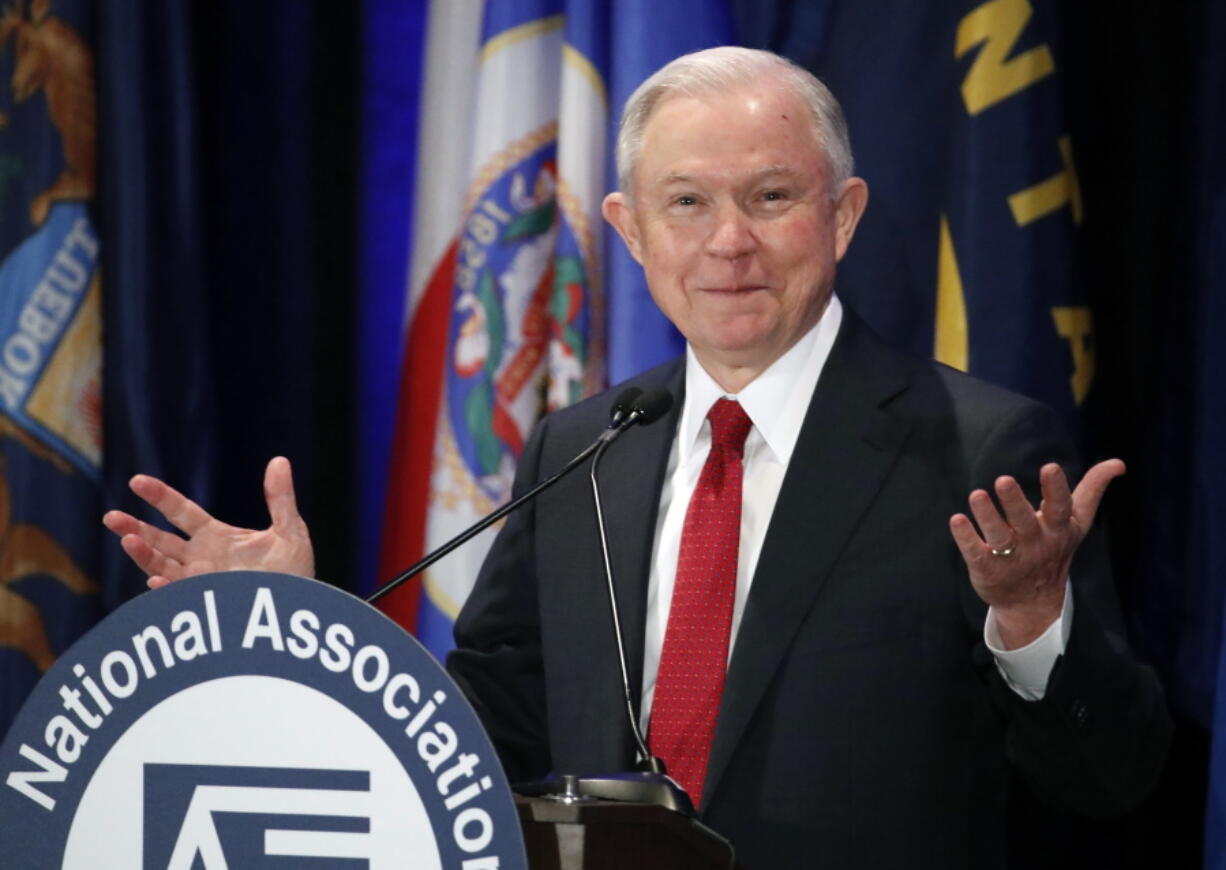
column 730, row 426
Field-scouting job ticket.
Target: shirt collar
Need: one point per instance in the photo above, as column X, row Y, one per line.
column 776, row 400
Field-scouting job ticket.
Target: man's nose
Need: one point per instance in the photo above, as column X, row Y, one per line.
column 732, row 234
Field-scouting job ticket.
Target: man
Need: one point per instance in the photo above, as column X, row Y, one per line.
column 809, row 627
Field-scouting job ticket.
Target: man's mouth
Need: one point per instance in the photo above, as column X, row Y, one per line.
column 734, row 290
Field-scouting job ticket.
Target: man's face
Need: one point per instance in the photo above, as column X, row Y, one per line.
column 733, row 222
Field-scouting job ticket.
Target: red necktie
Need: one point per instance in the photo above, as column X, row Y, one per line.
column 694, row 659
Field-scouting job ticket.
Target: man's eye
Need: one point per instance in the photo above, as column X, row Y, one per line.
column 774, row 196
column 686, row 200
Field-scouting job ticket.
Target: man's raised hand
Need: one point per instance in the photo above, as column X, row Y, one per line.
column 211, row 545
column 1021, row 562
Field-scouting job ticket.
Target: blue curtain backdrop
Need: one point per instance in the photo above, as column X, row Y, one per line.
column 160, row 407
column 248, row 220
column 1206, row 406
column 227, row 159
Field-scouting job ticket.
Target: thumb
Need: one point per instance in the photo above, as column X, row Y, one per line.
column 1089, row 492
column 279, row 494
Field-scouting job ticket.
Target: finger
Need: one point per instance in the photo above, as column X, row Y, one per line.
column 181, row 511
column 996, row 532
column 1019, row 512
column 120, row 523
column 125, row 524
column 969, row 543
column 1089, row 492
column 157, row 582
column 148, row 559
column 1057, row 503
column 279, row 494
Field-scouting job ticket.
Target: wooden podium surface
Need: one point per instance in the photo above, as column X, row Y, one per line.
column 613, row 835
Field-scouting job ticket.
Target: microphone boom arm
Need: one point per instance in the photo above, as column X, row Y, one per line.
column 628, row 410
column 484, row 524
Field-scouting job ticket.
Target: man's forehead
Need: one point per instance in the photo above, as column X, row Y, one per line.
column 769, row 172
column 762, row 91
column 756, row 118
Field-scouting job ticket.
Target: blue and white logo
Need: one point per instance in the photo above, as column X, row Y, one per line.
column 247, row 814
column 249, row 720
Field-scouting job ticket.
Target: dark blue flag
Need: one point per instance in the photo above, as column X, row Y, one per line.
column 51, row 389
column 971, row 246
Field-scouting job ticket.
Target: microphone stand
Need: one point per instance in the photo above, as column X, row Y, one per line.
column 648, row 762
column 649, row 784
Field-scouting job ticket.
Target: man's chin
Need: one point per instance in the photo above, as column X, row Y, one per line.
column 740, row 350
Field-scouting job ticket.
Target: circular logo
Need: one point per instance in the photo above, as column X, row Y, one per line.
column 251, row 720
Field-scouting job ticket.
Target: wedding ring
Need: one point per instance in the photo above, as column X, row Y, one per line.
column 1005, row 551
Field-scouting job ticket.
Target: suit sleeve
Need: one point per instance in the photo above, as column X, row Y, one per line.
column 498, row 660
column 1096, row 742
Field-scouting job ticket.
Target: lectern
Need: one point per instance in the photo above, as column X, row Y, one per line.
column 592, row 834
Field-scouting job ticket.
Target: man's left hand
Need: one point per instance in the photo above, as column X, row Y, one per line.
column 1019, row 562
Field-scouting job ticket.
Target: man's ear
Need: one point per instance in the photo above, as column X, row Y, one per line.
column 619, row 213
column 848, row 208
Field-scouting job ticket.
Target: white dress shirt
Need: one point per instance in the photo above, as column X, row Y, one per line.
column 777, row 401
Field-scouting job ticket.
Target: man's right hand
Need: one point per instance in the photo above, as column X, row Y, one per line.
column 211, row 545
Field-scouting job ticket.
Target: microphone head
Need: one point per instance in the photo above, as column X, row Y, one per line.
column 623, row 405
column 651, row 406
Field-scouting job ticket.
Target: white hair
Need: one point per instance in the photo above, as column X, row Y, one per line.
column 724, row 69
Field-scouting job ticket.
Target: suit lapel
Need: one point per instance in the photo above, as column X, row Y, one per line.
column 844, row 428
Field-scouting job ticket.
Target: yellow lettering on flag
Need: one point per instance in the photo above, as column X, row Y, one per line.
column 950, row 344
column 1076, row 326
column 1051, row 194
column 995, row 76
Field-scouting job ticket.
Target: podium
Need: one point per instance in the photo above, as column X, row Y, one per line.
column 248, row 719
column 591, row 834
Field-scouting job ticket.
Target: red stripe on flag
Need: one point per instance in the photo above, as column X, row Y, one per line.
column 417, row 408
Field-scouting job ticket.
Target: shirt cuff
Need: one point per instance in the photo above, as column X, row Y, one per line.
column 1026, row 669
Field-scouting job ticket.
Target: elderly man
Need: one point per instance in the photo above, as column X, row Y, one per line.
column 839, row 666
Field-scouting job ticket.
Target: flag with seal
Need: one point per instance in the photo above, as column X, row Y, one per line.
column 519, row 300
column 50, row 340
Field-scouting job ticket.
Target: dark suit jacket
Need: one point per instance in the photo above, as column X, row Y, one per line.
column 864, row 723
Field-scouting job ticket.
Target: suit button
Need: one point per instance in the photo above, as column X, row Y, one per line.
column 1080, row 713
